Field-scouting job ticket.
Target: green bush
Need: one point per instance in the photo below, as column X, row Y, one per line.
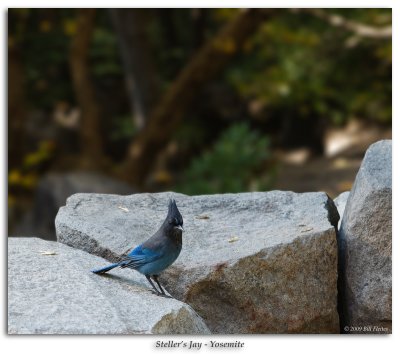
column 231, row 165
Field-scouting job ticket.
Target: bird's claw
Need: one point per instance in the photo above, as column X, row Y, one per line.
column 161, row 294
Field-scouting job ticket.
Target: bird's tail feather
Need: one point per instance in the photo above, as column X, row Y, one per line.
column 105, row 269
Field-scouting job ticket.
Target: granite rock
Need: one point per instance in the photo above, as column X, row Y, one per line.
column 365, row 244
column 51, row 290
column 340, row 202
column 263, row 262
column 52, row 192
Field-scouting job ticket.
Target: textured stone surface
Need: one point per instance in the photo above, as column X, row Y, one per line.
column 52, row 192
column 366, row 242
column 251, row 262
column 340, row 202
column 56, row 293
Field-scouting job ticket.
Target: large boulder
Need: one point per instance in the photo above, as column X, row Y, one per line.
column 251, row 262
column 52, row 192
column 340, row 202
column 365, row 240
column 51, row 290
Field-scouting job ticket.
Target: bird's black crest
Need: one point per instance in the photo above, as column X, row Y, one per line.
column 173, row 211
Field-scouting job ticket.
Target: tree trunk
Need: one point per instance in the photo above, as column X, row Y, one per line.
column 199, row 18
column 16, row 108
column 90, row 131
column 209, row 61
column 131, row 26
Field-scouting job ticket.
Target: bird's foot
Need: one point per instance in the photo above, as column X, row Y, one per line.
column 160, row 294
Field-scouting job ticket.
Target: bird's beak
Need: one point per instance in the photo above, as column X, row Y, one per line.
column 179, row 227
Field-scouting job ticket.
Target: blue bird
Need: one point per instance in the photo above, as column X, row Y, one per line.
column 158, row 252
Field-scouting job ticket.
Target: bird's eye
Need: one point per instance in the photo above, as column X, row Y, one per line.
column 173, row 221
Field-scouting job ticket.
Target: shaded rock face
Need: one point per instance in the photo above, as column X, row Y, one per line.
column 365, row 243
column 52, row 291
column 52, row 192
column 340, row 202
column 251, row 262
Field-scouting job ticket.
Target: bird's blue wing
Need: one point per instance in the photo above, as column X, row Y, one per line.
column 139, row 257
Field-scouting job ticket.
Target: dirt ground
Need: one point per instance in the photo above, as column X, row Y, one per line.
column 333, row 174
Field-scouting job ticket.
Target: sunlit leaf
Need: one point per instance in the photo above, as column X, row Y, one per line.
column 70, row 27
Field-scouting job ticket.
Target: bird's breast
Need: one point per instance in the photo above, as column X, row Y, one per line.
column 178, row 242
column 177, row 238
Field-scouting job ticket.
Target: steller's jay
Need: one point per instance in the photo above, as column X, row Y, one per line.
column 158, row 252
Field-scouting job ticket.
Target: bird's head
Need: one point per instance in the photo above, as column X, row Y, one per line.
column 174, row 218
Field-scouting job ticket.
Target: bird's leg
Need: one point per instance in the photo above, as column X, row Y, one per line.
column 149, row 279
column 155, row 277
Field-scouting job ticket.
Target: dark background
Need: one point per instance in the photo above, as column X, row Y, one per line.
column 191, row 100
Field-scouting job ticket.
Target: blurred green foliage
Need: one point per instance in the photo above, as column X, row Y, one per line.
column 298, row 63
column 296, row 67
column 26, row 177
column 230, row 165
column 104, row 54
column 295, row 62
column 123, row 128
